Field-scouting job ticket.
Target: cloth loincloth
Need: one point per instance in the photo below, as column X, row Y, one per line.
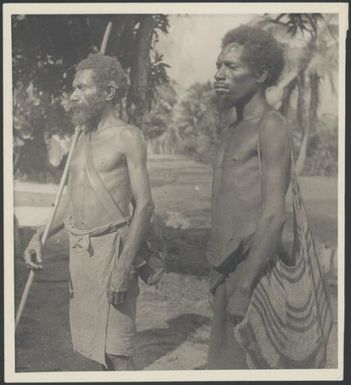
column 97, row 327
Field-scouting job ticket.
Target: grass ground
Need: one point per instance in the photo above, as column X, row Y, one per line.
column 174, row 317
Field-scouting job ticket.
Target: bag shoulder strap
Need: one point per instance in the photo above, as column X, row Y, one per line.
column 300, row 221
column 293, row 176
column 97, row 183
column 259, row 156
column 299, row 216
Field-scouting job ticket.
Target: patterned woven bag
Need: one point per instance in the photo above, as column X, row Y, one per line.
column 289, row 319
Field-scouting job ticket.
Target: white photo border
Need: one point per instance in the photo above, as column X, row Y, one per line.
column 167, row 375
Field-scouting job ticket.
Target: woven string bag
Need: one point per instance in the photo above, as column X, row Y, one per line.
column 289, row 319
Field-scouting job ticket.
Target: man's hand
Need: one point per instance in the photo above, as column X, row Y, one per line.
column 118, row 286
column 32, row 254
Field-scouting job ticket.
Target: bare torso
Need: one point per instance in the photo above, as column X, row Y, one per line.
column 110, row 162
column 236, row 195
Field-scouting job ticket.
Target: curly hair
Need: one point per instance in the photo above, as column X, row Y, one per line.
column 106, row 69
column 261, row 50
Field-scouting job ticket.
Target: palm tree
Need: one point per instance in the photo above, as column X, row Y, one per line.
column 311, row 53
column 198, row 121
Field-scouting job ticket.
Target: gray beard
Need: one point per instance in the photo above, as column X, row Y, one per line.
column 87, row 114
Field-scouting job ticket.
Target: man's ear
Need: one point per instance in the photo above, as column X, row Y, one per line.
column 262, row 75
column 110, row 91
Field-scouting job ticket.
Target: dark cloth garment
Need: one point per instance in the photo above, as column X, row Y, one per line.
column 219, row 273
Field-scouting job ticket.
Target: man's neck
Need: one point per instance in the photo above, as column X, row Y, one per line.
column 255, row 106
column 108, row 118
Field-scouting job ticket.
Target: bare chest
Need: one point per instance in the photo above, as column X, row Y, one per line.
column 105, row 154
column 238, row 147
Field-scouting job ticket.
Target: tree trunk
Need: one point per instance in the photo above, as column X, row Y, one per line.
column 301, row 159
column 17, row 237
column 119, row 25
column 300, row 117
column 287, row 92
column 310, row 124
column 304, row 62
column 300, row 111
column 139, row 74
column 121, row 44
column 314, row 100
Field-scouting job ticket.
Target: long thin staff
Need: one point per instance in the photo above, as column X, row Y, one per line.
column 58, row 195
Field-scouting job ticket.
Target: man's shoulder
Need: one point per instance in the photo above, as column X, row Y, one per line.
column 129, row 132
column 131, row 141
column 274, row 126
column 274, row 118
column 274, row 134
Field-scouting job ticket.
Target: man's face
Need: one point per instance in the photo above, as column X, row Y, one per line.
column 233, row 80
column 87, row 101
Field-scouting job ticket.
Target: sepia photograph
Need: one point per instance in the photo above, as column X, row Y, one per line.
column 174, row 191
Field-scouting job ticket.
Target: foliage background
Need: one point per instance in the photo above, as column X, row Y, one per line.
column 173, row 119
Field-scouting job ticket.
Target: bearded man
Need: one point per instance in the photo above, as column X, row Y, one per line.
column 108, row 171
column 250, row 180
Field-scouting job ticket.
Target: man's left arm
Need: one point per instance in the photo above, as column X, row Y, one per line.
column 275, row 156
column 135, row 151
column 140, row 185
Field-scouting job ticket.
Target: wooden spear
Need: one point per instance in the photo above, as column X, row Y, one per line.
column 58, row 195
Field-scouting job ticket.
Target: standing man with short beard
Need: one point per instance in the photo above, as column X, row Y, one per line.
column 250, row 180
column 108, row 168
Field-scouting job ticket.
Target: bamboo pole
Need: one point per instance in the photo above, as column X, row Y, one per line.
column 58, row 196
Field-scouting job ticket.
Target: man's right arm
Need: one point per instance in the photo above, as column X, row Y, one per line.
column 32, row 254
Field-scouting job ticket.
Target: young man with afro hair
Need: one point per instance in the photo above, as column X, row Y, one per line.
column 250, row 180
column 108, row 170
